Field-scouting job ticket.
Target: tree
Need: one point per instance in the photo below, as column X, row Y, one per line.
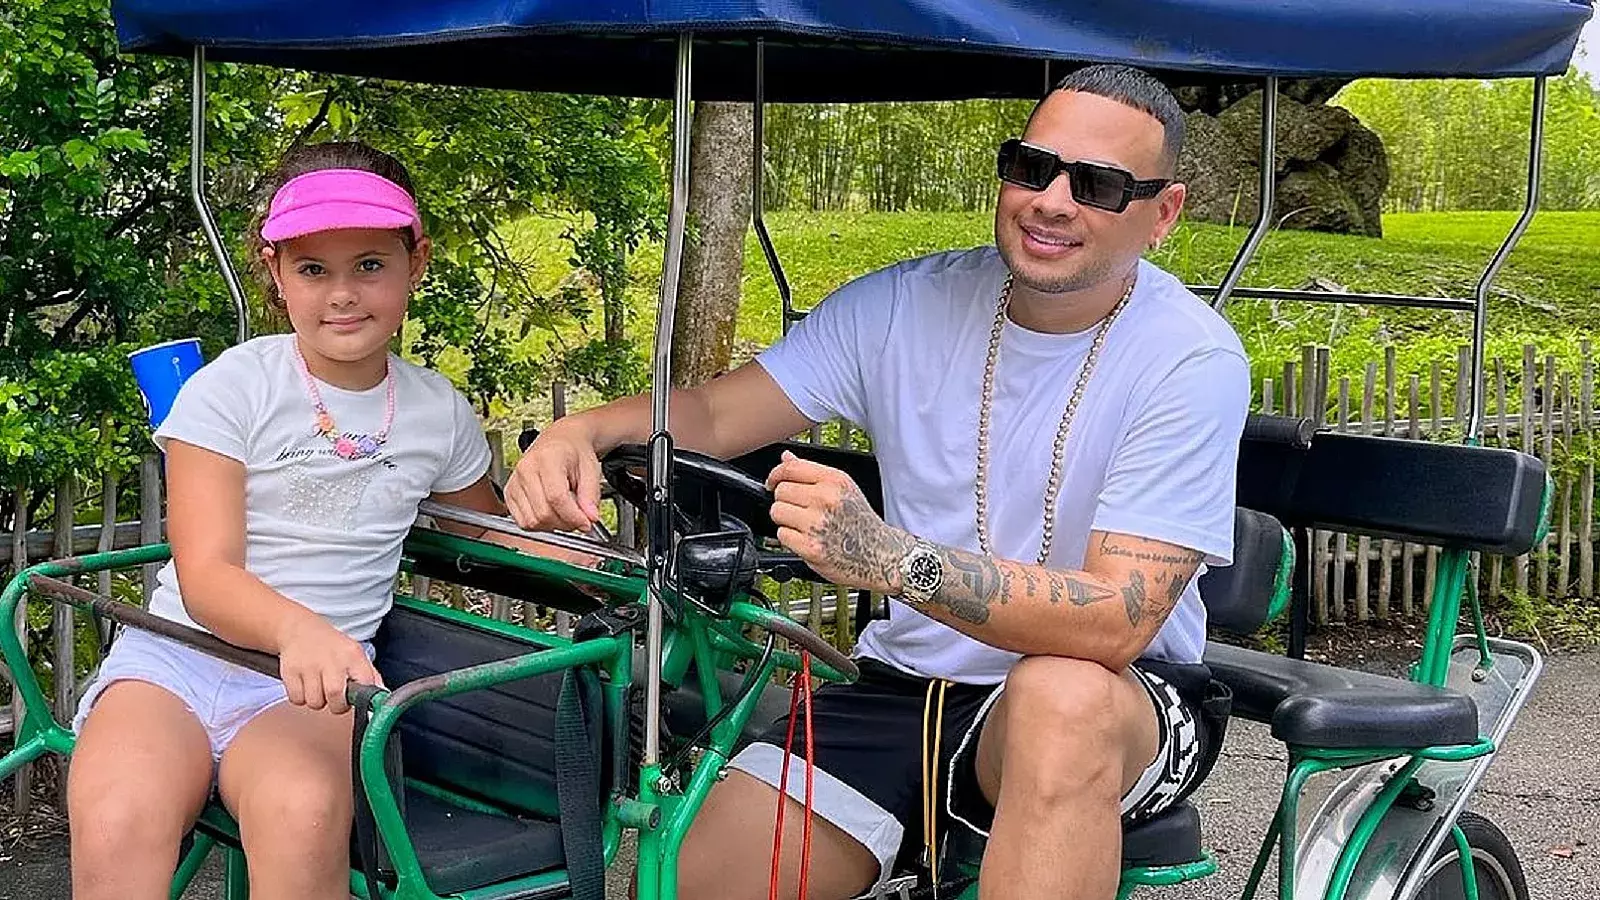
column 713, row 264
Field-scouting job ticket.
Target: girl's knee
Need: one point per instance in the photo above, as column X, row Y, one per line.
column 307, row 812
column 122, row 822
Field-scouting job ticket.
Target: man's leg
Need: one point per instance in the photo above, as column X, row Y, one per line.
column 727, row 854
column 1065, row 741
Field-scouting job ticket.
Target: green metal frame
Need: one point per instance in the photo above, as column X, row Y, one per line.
column 667, row 802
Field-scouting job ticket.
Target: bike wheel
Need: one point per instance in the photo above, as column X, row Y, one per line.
column 1494, row 860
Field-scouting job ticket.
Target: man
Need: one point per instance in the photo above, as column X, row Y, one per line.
column 1057, row 425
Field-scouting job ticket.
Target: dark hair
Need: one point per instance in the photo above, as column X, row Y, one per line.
column 314, row 158
column 1138, row 89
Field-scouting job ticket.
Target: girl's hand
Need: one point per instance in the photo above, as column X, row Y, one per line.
column 316, row 660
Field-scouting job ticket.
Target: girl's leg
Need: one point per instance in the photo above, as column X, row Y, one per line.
column 286, row 778
column 139, row 777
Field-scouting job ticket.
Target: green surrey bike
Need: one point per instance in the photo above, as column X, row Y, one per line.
column 508, row 762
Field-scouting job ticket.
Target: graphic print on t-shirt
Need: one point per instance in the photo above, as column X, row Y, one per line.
column 322, row 501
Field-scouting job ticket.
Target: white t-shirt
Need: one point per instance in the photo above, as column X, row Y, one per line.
column 321, row 530
column 1152, row 451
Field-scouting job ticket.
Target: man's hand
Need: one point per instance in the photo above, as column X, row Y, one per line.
column 823, row 517
column 556, row 484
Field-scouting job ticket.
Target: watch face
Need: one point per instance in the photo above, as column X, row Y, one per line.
column 923, row 572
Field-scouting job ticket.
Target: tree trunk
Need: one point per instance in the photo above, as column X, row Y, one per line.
column 713, row 264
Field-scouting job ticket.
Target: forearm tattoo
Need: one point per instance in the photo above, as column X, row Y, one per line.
column 974, row 583
column 1173, row 571
column 867, row 552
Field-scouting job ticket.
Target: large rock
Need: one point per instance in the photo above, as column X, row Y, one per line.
column 1330, row 169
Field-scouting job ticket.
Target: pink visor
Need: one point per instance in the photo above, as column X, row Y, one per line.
column 329, row 199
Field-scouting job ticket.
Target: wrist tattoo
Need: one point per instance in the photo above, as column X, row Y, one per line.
column 861, row 545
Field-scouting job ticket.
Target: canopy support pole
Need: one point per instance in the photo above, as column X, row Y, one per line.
column 1269, row 183
column 659, row 504
column 197, row 192
column 757, row 176
column 1480, row 313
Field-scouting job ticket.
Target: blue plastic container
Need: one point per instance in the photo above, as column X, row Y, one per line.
column 161, row 369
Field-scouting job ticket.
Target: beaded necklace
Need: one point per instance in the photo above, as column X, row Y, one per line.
column 986, row 401
column 348, row 445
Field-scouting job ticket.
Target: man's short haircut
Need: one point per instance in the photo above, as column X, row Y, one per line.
column 1139, row 90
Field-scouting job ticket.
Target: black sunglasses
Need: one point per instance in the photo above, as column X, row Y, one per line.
column 1103, row 187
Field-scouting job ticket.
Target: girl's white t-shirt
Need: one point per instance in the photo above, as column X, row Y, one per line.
column 1152, row 452
column 323, row 531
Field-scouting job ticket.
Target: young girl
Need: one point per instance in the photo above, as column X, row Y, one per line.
column 295, row 464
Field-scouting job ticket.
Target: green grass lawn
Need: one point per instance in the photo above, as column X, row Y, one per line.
column 1548, row 294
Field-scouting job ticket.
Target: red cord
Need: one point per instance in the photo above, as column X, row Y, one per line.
column 805, row 843
column 802, row 686
column 783, row 793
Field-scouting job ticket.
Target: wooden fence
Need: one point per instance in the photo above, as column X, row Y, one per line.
column 1549, row 412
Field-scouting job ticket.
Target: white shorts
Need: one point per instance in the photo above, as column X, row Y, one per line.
column 223, row 696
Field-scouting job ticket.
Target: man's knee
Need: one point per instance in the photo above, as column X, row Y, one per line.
column 1070, row 700
column 1063, row 725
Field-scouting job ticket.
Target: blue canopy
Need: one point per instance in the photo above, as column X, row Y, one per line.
column 861, row 49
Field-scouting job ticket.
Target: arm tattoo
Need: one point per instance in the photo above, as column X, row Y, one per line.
column 976, row 584
column 1183, row 558
column 1174, row 570
column 1080, row 593
column 861, row 544
column 1133, row 596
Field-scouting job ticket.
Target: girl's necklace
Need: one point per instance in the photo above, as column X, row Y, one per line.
column 348, row 445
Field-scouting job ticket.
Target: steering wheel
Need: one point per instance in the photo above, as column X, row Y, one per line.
column 706, row 490
column 712, row 495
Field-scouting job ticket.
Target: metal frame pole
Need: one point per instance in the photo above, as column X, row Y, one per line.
column 1269, row 184
column 757, row 177
column 658, row 509
column 1480, row 314
column 197, row 192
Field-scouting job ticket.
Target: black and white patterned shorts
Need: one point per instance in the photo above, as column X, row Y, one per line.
column 868, row 738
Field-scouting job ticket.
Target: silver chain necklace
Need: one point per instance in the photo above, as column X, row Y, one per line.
column 1053, row 489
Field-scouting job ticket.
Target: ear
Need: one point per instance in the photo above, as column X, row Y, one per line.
column 269, row 255
column 420, row 256
column 1168, row 205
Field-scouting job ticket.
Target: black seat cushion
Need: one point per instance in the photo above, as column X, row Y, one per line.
column 1170, row 838
column 1476, row 498
column 496, row 745
column 1313, row 705
column 1246, row 595
column 461, row 849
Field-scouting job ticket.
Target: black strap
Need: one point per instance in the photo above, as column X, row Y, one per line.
column 578, row 783
column 368, row 845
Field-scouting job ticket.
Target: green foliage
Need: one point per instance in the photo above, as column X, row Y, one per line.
column 100, row 250
column 887, row 157
column 1459, row 145
column 1452, row 145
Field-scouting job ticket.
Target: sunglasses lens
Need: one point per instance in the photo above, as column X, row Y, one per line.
column 1027, row 166
column 1099, row 185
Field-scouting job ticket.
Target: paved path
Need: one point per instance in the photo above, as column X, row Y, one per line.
column 1543, row 791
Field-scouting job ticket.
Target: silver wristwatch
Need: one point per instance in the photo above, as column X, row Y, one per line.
column 921, row 573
